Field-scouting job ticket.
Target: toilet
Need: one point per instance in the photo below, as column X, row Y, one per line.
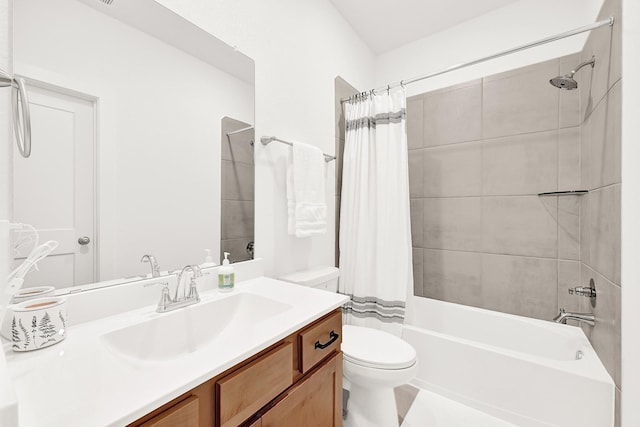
column 374, row 361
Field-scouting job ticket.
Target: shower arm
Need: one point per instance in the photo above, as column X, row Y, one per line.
column 591, row 62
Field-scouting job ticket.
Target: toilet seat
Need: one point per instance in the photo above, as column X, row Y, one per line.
column 376, row 349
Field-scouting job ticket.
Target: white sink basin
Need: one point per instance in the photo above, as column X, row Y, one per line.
column 174, row 334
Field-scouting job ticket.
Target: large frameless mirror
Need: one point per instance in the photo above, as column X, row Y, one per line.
column 130, row 106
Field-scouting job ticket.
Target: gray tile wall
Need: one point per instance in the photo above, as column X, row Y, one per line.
column 342, row 90
column 599, row 115
column 237, row 207
column 480, row 152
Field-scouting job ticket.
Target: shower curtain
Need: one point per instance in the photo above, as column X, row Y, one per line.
column 375, row 227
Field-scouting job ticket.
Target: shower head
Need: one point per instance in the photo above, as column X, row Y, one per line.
column 564, row 82
column 567, row 81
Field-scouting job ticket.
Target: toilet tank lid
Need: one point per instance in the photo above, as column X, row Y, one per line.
column 313, row 276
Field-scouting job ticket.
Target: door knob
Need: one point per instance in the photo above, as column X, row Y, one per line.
column 84, row 240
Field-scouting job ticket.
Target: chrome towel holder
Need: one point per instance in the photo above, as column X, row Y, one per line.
column 265, row 140
column 20, row 104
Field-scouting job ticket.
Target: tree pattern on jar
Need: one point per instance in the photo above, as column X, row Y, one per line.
column 15, row 335
column 47, row 329
column 34, row 329
column 63, row 320
column 27, row 340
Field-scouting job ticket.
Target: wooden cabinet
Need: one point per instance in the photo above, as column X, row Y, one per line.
column 192, row 409
column 183, row 414
column 242, row 393
column 319, row 340
column 295, row 382
column 316, row 401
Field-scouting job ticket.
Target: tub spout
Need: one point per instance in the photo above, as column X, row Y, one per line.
column 563, row 316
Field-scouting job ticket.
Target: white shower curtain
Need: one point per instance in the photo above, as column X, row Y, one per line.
column 375, row 228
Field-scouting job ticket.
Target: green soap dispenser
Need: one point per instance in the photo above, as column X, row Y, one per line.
column 226, row 276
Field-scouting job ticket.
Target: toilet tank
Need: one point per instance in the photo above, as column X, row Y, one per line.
column 323, row 277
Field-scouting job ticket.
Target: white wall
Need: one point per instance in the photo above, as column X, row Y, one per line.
column 299, row 48
column 517, row 24
column 159, row 129
column 630, row 213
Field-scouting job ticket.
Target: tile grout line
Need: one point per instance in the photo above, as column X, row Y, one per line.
column 482, row 189
column 558, row 202
column 503, row 254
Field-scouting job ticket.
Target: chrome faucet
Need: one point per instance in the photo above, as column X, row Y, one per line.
column 193, row 291
column 155, row 270
column 563, row 316
column 167, row 303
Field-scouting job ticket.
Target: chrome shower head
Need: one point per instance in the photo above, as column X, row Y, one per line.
column 564, row 82
column 567, row 81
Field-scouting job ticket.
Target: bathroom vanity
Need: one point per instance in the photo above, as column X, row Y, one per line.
column 266, row 354
column 295, row 382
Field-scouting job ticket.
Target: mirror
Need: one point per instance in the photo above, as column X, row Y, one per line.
column 130, row 106
column 237, row 190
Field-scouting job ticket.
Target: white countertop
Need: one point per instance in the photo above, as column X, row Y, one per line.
column 83, row 382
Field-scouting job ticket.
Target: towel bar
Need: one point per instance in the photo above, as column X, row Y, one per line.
column 269, row 139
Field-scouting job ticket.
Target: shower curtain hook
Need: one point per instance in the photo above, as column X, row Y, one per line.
column 388, row 89
column 402, row 83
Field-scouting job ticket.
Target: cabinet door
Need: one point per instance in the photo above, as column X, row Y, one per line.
column 184, row 414
column 315, row 402
column 242, row 393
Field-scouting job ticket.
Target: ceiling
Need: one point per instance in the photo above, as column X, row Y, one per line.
column 385, row 25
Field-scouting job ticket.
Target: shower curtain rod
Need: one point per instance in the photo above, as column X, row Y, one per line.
column 609, row 21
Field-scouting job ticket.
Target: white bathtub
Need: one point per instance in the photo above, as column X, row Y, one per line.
column 518, row 369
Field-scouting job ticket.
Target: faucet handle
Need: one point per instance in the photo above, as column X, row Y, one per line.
column 165, row 298
column 193, row 290
column 583, row 291
column 586, row 291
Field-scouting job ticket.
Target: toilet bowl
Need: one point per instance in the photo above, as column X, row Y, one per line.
column 374, row 361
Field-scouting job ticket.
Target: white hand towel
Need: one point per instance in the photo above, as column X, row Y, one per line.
column 306, row 204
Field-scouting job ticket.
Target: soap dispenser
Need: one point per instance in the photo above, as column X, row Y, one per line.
column 208, row 259
column 226, row 276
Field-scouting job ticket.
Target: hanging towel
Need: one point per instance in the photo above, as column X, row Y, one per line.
column 306, row 204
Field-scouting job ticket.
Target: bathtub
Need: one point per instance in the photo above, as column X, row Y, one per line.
column 529, row 372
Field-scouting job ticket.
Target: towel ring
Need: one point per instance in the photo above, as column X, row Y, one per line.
column 20, row 104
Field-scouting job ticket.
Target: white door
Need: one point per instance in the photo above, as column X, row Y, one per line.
column 53, row 190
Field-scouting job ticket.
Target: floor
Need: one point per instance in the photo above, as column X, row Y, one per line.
column 419, row 408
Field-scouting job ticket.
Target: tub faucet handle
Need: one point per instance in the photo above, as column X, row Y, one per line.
column 583, row 291
column 586, row 291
